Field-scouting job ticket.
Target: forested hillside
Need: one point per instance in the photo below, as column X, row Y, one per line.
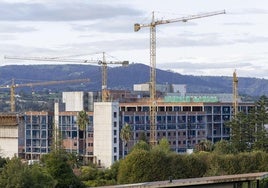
column 124, row 78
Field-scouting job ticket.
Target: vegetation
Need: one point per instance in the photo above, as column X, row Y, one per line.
column 248, row 131
column 18, row 174
column 125, row 135
column 83, row 121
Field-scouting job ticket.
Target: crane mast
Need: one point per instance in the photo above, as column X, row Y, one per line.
column 235, row 94
column 102, row 62
column 152, row 88
column 104, row 93
column 13, row 86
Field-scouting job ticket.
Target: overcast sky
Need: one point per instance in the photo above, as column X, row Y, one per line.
column 215, row 45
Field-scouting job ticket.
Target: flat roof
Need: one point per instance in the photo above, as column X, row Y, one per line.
column 198, row 181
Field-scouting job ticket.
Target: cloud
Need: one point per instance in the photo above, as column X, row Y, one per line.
column 238, row 24
column 62, row 11
column 256, row 11
column 11, row 28
column 204, row 65
column 111, row 25
column 6, row 37
column 252, row 39
column 248, row 11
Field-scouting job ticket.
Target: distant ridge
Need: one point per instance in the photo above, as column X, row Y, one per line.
column 125, row 77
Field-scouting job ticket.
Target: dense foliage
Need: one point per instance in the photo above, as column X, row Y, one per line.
column 155, row 165
column 248, row 131
column 57, row 164
column 20, row 175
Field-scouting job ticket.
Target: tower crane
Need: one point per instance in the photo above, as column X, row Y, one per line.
column 102, row 62
column 152, row 26
column 13, row 86
column 235, row 94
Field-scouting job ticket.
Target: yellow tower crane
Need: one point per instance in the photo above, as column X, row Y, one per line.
column 152, row 26
column 103, row 63
column 235, row 94
column 13, row 86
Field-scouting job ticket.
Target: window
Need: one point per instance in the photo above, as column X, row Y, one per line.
column 115, row 132
column 115, row 115
column 115, row 158
column 115, row 149
column 115, row 140
column 115, row 124
column 75, row 144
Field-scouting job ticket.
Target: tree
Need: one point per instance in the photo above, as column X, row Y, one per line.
column 20, row 175
column 56, row 163
column 224, row 147
column 141, row 145
column 125, row 135
column 204, row 145
column 239, row 129
column 143, row 137
column 39, row 177
column 261, row 139
column 3, row 161
column 13, row 174
column 82, row 121
column 134, row 168
column 92, row 176
column 248, row 128
column 163, row 146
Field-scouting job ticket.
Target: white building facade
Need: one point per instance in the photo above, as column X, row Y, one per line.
column 106, row 133
column 73, row 100
column 9, row 135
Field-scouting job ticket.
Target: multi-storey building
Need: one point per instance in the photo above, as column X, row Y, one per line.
column 72, row 137
column 183, row 120
column 184, row 123
column 38, row 127
column 40, row 133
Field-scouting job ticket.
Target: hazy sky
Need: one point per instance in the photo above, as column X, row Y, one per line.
column 216, row 45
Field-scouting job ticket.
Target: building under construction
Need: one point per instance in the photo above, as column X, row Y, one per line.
column 184, row 119
column 11, row 134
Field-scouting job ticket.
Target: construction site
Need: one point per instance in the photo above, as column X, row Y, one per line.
column 153, row 111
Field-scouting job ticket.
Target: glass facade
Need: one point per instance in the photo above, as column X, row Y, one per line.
column 183, row 125
column 38, row 134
